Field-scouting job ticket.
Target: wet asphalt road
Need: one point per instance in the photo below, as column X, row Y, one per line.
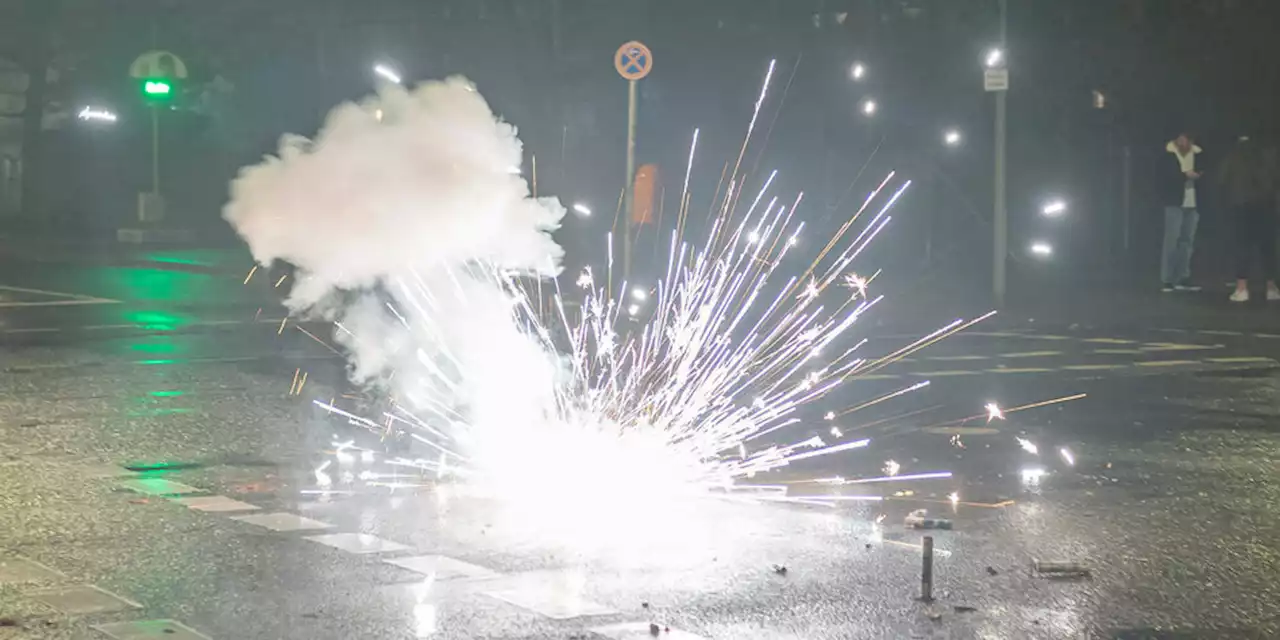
column 185, row 375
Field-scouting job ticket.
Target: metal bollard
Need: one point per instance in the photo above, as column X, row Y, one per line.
column 926, row 570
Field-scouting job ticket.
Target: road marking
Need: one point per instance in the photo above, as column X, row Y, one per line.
column 81, row 599
column 1110, row 341
column 442, row 567
column 942, row 553
column 216, row 504
column 1020, row 370
column 962, row 431
column 877, row 376
column 1217, row 332
column 141, row 629
column 1238, row 360
column 1173, row 346
column 1165, row 363
column 1118, row 351
column 1031, row 354
column 66, row 298
column 282, row 522
column 158, row 487
column 641, row 631
column 1093, row 367
column 957, row 358
column 941, row 374
column 980, row 505
column 357, row 543
column 1266, row 336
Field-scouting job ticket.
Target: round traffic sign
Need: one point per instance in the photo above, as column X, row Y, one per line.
column 633, row 60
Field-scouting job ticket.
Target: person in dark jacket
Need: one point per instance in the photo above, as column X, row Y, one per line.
column 1248, row 178
column 1178, row 178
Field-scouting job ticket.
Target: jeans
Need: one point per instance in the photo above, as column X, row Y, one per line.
column 1179, row 243
column 1255, row 229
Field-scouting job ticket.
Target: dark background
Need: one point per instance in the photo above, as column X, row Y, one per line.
column 546, row 65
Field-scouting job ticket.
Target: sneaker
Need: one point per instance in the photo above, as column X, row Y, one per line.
column 1166, row 287
column 1186, row 285
column 1241, row 295
column 1273, row 294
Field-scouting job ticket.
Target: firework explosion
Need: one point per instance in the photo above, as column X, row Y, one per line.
column 413, row 234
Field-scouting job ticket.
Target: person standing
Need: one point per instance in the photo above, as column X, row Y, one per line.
column 1181, row 215
column 1248, row 178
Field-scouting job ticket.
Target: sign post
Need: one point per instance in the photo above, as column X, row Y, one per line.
column 157, row 73
column 633, row 62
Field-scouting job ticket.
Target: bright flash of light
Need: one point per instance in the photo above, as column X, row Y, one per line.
column 1054, row 208
column 858, row 71
column 995, row 58
column 582, row 209
column 1042, row 249
column 703, row 392
column 994, row 412
column 836, row 432
column 1032, row 475
column 954, row 498
column 951, row 137
column 857, row 283
column 101, row 115
column 387, row 73
column 1067, row 456
column 891, row 468
column 639, row 295
column 932, row 475
column 869, row 107
column 1028, row 446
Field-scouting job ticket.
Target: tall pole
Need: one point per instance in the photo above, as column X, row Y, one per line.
column 155, row 150
column 630, row 183
column 1001, row 224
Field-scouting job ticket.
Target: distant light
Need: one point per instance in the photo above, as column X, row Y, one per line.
column 157, row 88
column 857, row 71
column 1099, row 100
column 639, row 295
column 868, row 107
column 387, row 73
column 581, row 209
column 1054, row 208
column 102, row 115
column 792, row 241
column 1032, row 475
column 995, row 58
column 951, row 137
column 377, row 115
column 1042, row 249
column 633, row 309
column 753, row 237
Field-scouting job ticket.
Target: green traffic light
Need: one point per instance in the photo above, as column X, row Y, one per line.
column 157, row 88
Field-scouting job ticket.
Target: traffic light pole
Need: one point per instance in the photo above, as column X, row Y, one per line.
column 155, row 150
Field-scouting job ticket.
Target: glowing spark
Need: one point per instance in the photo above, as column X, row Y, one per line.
column 994, row 412
column 932, row 475
column 582, row 209
column 251, row 272
column 585, row 280
column 891, row 467
column 1032, row 475
column 639, row 295
column 633, row 310
column 954, row 498
column 1028, row 446
column 753, row 237
column 387, row 73
column 835, row 431
column 811, row 291
column 830, row 415
column 1067, row 456
column 857, row 283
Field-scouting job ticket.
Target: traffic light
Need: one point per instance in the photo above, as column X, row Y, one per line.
column 157, row 90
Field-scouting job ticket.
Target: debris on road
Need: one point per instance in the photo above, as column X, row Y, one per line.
column 917, row 520
column 991, row 571
column 654, row 630
column 964, row 609
column 779, row 569
column 1060, row 570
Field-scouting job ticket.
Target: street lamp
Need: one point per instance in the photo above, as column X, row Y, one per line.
column 857, row 71
column 1054, row 208
column 868, row 107
column 582, row 209
column 1041, row 249
column 951, row 137
column 386, row 73
column 995, row 58
column 93, row 114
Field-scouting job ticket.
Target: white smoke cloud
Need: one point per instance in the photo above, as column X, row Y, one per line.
column 405, row 205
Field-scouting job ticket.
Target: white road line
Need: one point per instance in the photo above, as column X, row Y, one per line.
column 1118, row 351
column 941, row 374
column 1165, row 363
column 1214, row 332
column 957, row 358
column 1020, row 370
column 1109, row 341
column 1239, row 360
column 1031, row 354
column 1093, row 367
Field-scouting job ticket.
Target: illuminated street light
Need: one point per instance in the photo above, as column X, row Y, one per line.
column 951, row 137
column 1054, row 208
column 97, row 115
column 858, row 71
column 1041, row 249
column 582, row 209
column 868, row 107
column 995, row 58
column 387, row 73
